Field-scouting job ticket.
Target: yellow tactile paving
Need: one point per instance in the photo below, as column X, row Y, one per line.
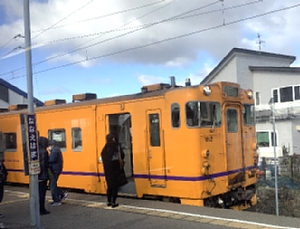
column 218, row 222
column 242, row 225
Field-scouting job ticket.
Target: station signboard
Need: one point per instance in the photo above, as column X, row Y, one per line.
column 32, row 144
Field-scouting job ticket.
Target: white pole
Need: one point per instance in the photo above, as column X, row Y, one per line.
column 275, row 157
column 33, row 182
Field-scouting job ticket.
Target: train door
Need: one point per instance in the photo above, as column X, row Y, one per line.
column 234, row 146
column 120, row 126
column 155, row 149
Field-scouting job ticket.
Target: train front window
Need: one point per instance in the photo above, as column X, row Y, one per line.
column 203, row 114
column 248, row 114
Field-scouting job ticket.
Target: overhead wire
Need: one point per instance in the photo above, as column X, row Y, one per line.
column 164, row 40
column 63, row 19
column 77, row 48
column 65, row 53
column 103, row 16
column 19, row 35
column 5, row 44
column 15, row 37
column 143, row 25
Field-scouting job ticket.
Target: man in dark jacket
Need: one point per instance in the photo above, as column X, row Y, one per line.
column 56, row 167
column 43, row 176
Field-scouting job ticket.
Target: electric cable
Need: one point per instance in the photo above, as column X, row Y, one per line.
column 62, row 19
column 77, row 48
column 141, row 26
column 164, row 40
column 102, row 16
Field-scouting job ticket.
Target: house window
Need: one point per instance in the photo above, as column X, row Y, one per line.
column 275, row 95
column 257, row 98
column 297, row 92
column 286, row 94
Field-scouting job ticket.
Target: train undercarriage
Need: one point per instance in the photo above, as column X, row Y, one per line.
column 235, row 197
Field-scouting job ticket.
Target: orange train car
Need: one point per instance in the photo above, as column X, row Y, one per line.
column 192, row 145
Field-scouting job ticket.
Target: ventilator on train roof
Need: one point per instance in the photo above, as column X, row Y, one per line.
column 84, row 97
column 54, row 102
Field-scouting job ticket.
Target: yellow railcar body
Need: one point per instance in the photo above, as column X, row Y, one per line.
column 167, row 153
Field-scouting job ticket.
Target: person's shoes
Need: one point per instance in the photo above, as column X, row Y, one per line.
column 55, row 204
column 1, row 215
column 109, row 204
column 65, row 195
column 45, row 212
column 2, row 225
column 114, row 205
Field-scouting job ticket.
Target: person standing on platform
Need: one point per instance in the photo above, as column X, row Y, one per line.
column 111, row 166
column 43, row 175
column 55, row 169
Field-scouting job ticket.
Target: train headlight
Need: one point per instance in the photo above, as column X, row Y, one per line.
column 205, row 153
column 206, row 90
column 250, row 94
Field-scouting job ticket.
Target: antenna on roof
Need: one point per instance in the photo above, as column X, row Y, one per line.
column 259, row 41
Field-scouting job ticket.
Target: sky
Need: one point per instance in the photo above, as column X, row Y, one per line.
column 115, row 47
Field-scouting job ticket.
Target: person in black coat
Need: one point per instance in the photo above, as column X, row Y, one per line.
column 111, row 166
column 43, row 176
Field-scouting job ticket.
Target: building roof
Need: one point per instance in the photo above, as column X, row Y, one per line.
column 19, row 91
column 235, row 51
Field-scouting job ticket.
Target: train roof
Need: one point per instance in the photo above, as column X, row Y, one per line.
column 163, row 89
column 149, row 91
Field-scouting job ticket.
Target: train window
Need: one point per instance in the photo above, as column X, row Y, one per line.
column 59, row 135
column 203, row 114
column 232, row 121
column 248, row 114
column 10, row 142
column 154, row 129
column 175, row 115
column 76, row 140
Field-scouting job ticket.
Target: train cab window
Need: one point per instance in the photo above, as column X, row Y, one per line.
column 203, row 114
column 59, row 135
column 248, row 114
column 10, row 142
column 175, row 115
column 154, row 129
column 76, row 140
column 232, row 121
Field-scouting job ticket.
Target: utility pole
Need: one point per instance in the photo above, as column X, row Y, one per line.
column 275, row 156
column 32, row 145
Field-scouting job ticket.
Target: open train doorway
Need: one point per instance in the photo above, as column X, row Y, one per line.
column 120, row 126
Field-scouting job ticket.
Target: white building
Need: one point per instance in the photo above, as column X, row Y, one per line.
column 11, row 95
column 268, row 75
